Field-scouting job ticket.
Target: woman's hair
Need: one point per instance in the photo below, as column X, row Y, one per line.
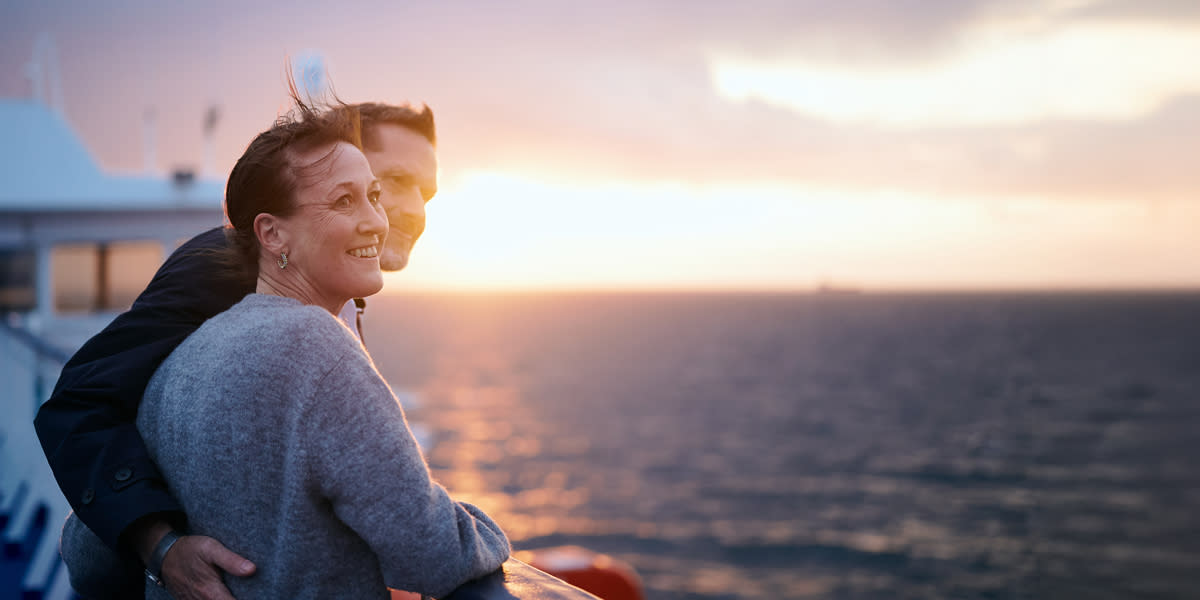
column 265, row 179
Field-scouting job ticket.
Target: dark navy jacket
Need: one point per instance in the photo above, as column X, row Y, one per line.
column 88, row 426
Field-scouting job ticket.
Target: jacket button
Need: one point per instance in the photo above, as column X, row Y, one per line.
column 89, row 495
column 123, row 474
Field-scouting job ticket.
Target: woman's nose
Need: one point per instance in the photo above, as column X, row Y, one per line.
column 372, row 221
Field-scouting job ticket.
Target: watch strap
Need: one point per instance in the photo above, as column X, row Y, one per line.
column 154, row 567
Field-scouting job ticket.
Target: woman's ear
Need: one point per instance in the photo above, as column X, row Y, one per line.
column 271, row 233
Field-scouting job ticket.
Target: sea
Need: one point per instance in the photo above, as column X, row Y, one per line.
column 974, row 445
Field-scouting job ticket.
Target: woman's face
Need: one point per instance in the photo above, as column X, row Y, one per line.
column 336, row 232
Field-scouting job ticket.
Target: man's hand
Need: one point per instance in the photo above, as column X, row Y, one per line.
column 192, row 568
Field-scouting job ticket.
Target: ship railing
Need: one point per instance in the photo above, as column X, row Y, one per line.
column 32, row 508
column 519, row 581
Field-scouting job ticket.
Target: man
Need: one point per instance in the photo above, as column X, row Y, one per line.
column 87, row 427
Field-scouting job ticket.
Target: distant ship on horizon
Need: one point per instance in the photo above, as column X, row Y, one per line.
column 828, row 288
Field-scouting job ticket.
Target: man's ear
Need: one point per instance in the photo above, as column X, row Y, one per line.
column 271, row 232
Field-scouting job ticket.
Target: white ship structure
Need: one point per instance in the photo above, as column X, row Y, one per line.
column 75, row 242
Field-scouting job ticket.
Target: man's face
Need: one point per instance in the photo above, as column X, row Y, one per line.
column 406, row 165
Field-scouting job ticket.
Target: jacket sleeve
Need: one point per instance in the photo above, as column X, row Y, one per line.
column 366, row 463
column 88, row 428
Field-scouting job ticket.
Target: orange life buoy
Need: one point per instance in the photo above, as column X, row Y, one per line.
column 602, row 575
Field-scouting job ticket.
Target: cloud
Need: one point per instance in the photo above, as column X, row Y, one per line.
column 591, row 115
column 721, row 144
column 1083, row 72
column 1147, row 10
column 625, row 89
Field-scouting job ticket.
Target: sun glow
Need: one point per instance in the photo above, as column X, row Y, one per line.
column 1000, row 77
column 504, row 231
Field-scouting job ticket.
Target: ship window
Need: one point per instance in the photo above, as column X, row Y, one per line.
column 90, row 277
column 17, row 291
column 74, row 269
column 133, row 266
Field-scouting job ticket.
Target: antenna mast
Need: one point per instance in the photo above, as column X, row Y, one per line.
column 210, row 126
column 45, row 81
column 149, row 141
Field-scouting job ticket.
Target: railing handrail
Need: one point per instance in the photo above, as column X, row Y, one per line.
column 40, row 347
column 518, row 581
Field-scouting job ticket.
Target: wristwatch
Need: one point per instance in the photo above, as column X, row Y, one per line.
column 154, row 567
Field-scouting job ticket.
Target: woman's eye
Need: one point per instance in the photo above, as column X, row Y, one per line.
column 373, row 196
column 344, row 201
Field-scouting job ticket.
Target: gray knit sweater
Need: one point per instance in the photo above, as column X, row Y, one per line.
column 275, row 431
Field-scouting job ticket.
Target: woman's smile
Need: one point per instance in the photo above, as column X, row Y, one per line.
column 371, row 251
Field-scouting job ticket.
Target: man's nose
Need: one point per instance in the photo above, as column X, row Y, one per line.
column 408, row 216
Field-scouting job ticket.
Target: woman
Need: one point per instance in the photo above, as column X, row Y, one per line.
column 270, row 422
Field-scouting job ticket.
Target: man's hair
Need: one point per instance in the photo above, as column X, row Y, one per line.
column 374, row 114
column 264, row 179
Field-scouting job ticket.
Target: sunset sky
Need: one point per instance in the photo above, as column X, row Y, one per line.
column 780, row 144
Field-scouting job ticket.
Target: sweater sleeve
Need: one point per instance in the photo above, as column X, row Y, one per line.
column 368, row 465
